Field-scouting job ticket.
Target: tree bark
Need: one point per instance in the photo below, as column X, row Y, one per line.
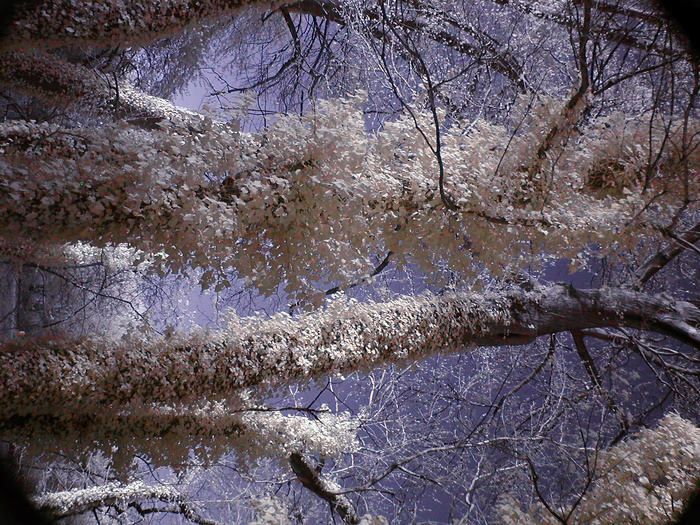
column 660, row 259
column 311, row 479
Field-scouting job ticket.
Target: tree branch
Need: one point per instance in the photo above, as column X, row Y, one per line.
column 594, row 375
column 52, row 79
column 310, row 477
column 68, row 503
column 659, row 260
column 84, row 375
column 486, row 51
column 621, row 34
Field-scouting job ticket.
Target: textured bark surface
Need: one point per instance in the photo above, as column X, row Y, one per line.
column 563, row 308
column 312, row 480
column 659, row 260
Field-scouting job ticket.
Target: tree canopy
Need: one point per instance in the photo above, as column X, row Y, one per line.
column 393, row 186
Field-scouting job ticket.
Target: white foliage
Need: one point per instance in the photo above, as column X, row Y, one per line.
column 270, row 511
column 644, row 480
column 315, row 197
column 207, row 365
column 368, row 519
column 326, row 434
column 77, row 500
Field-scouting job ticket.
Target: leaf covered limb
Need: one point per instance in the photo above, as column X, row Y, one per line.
column 89, row 374
column 52, row 23
column 212, row 198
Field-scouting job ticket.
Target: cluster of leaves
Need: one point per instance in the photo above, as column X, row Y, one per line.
column 325, row 433
column 643, row 480
column 314, row 198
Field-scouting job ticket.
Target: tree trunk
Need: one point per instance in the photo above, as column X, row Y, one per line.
column 62, row 23
column 312, row 480
column 93, row 375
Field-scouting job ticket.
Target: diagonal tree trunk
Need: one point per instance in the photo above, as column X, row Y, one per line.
column 60, row 23
column 92, row 375
column 660, row 259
